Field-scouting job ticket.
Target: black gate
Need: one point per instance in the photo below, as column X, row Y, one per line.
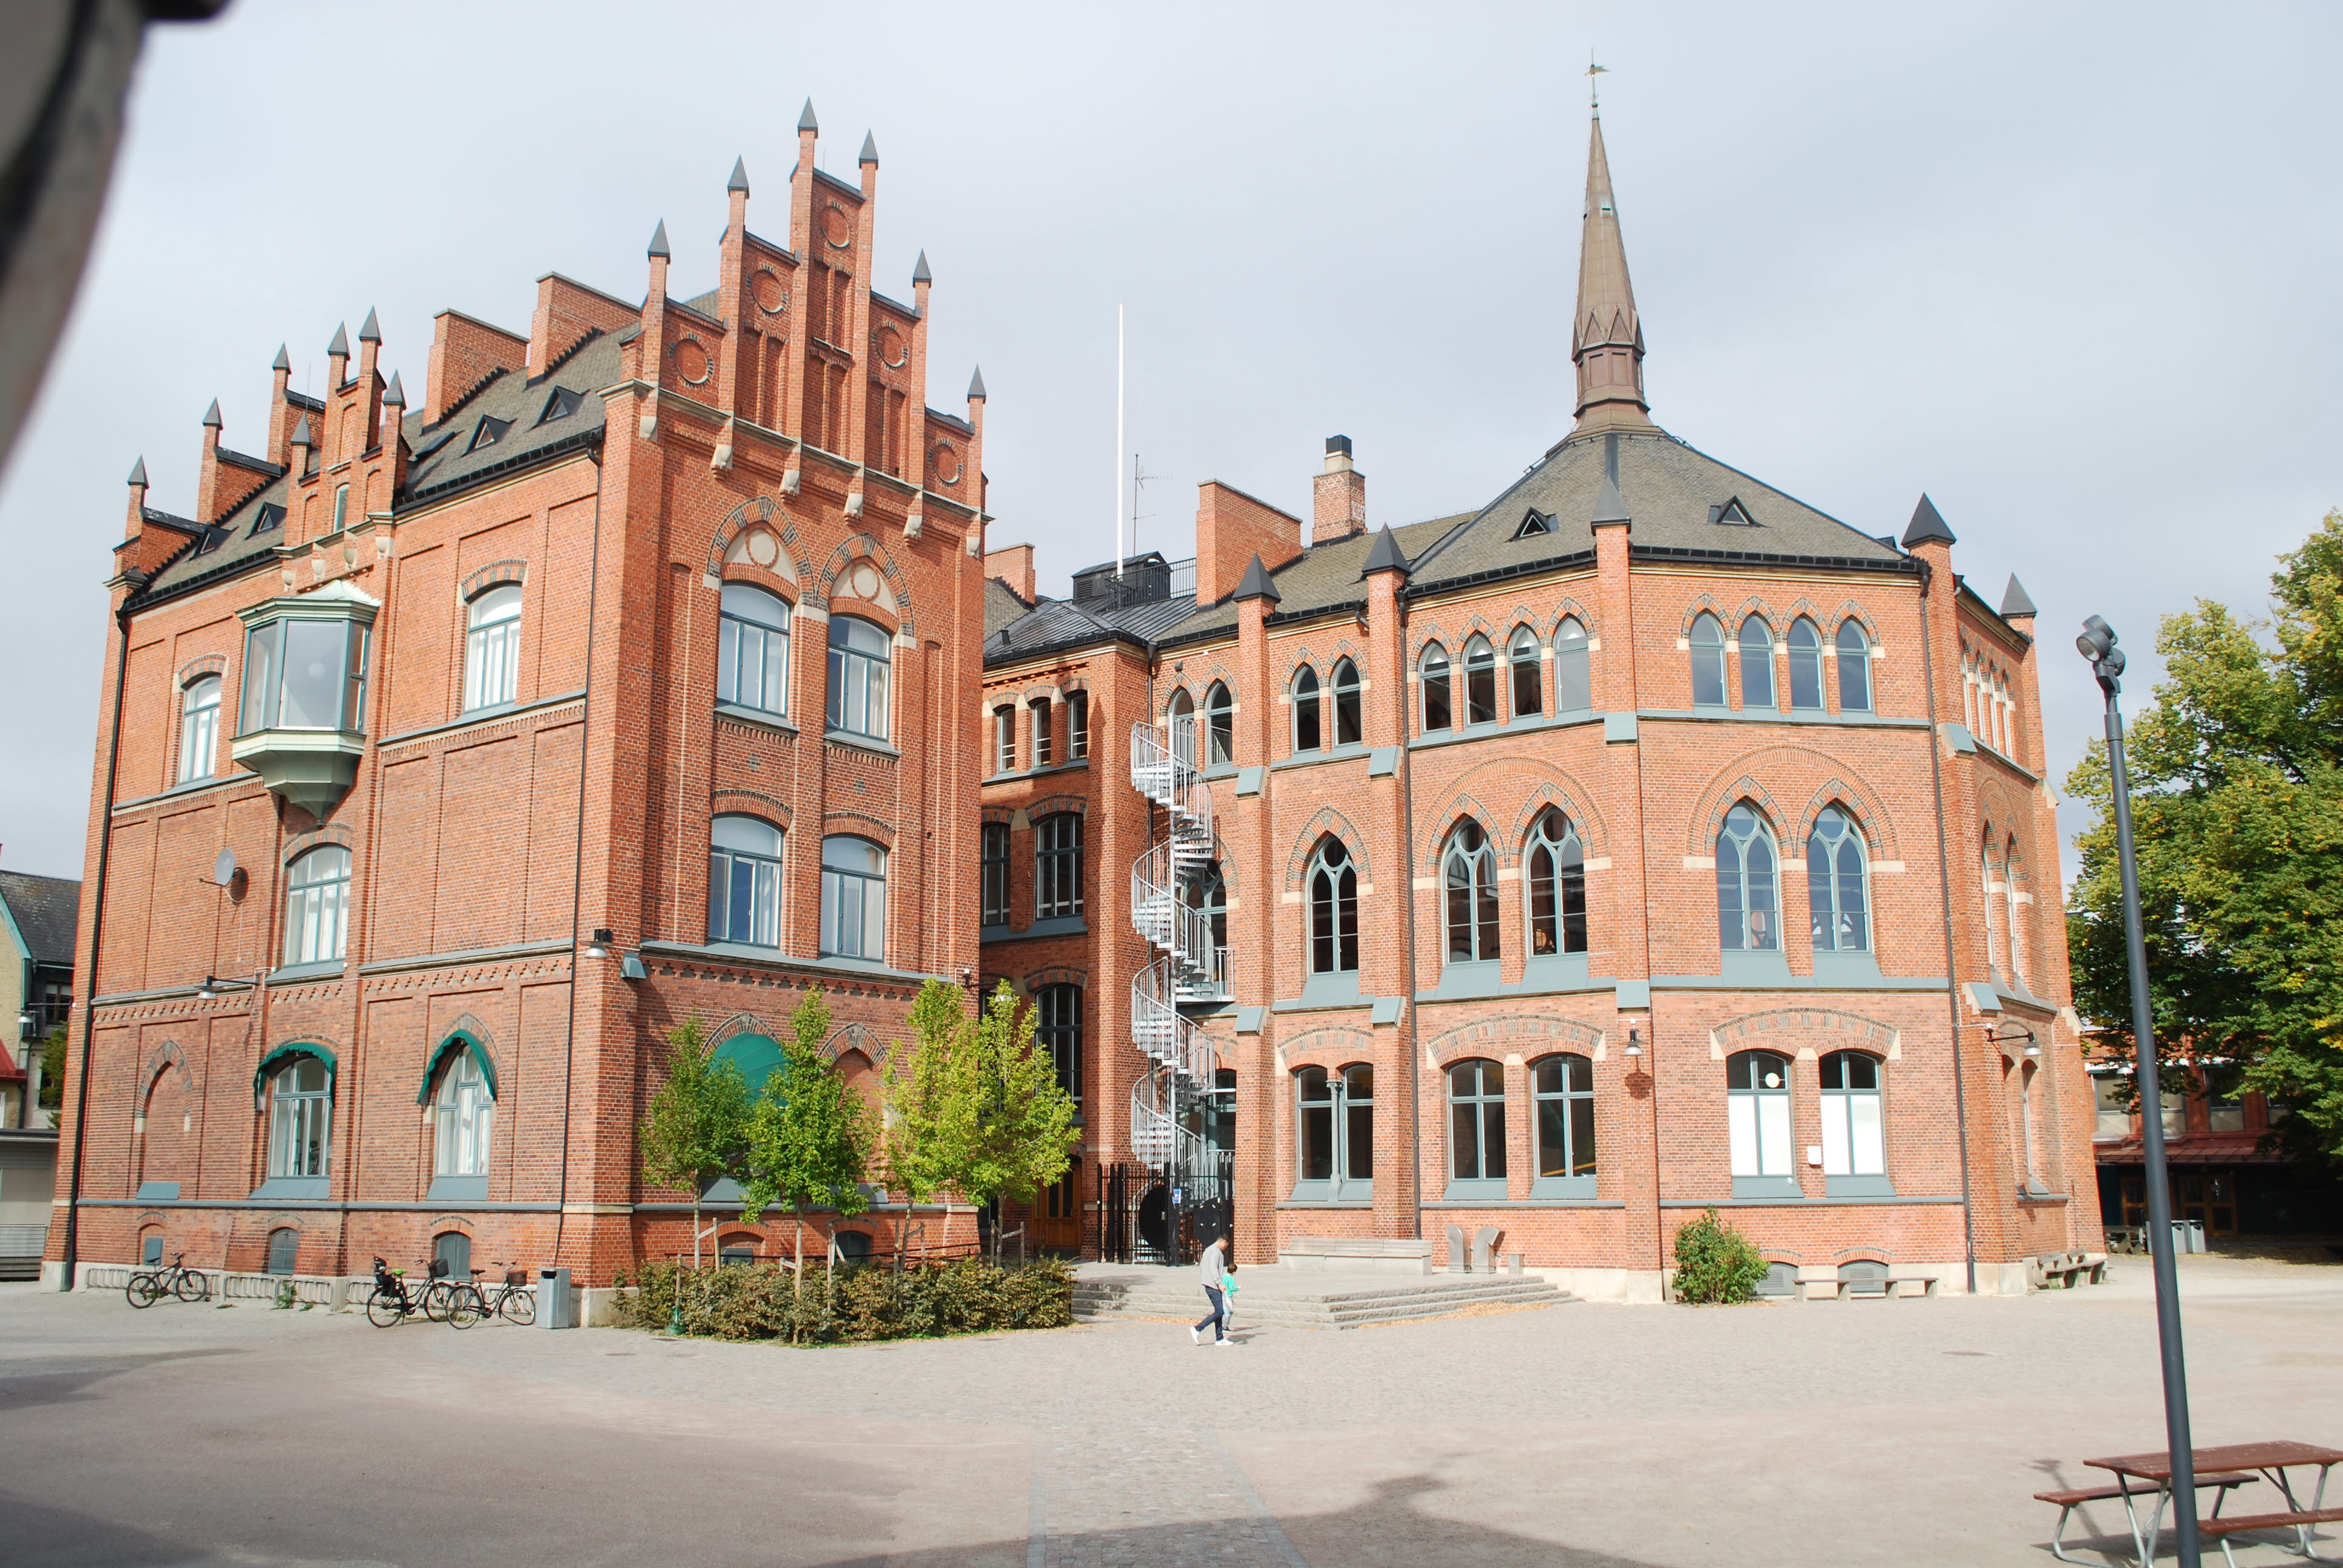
column 1144, row 1218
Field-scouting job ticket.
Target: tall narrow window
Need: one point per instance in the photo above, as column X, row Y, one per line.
column 1563, row 1089
column 1043, row 747
column 1522, row 658
column 464, row 1113
column 1078, row 726
column 1004, row 738
column 1557, row 879
column 853, row 899
column 1219, row 726
column 341, row 506
column 1854, row 1130
column 1805, row 667
column 1333, row 910
column 1476, row 1126
column 492, row 648
column 1707, row 661
column 859, row 663
column 1058, row 1031
column 993, row 862
column 317, row 905
column 1854, row 669
column 1346, row 682
column 744, row 881
column 199, row 707
column 1334, row 1114
column 1306, row 733
column 1058, row 866
column 1208, row 895
column 1757, row 1120
column 1745, row 884
column 300, row 1110
column 752, row 649
column 1574, row 682
column 1181, row 714
column 1358, row 1164
column 2012, row 885
column 1835, row 895
column 1313, row 1096
column 1756, row 664
column 1993, row 956
column 1480, row 681
column 1433, row 671
column 1469, row 870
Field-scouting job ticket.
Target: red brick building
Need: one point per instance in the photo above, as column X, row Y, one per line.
column 449, row 755
column 1639, row 841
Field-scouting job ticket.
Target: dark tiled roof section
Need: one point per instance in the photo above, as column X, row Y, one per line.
column 237, row 550
column 257, row 465
column 47, row 909
column 1002, row 608
column 515, row 397
column 705, row 304
column 1670, row 489
column 1326, row 575
column 1054, row 624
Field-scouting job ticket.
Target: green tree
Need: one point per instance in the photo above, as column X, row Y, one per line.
column 1023, row 1135
column 2236, row 773
column 931, row 1103
column 809, row 1135
column 53, row 1070
column 697, row 1127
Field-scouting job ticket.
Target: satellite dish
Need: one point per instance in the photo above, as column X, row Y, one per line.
column 224, row 868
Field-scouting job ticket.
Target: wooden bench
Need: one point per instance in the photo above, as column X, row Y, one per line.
column 1356, row 1255
column 2075, row 1497
column 2300, row 1520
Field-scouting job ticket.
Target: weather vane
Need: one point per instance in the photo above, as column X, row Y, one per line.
column 1593, row 97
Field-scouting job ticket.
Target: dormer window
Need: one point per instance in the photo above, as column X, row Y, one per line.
column 489, row 433
column 561, row 406
column 1731, row 515
column 1533, row 522
column 271, row 517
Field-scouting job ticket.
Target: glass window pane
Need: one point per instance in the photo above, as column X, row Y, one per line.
column 1553, row 1137
column 261, row 649
column 1834, row 1134
column 1867, row 1138
column 314, row 651
column 1741, row 1132
column 1581, row 1136
column 1774, row 1134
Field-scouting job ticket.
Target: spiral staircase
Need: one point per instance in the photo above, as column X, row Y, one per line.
column 1188, row 964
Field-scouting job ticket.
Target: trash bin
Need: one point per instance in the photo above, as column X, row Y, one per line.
column 557, row 1304
column 2187, row 1236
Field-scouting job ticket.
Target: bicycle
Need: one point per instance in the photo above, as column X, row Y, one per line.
column 392, row 1304
column 513, row 1301
column 150, row 1285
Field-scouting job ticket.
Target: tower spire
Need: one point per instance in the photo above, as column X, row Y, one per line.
column 1607, row 337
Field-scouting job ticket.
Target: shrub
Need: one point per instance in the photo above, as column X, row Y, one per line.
column 853, row 1304
column 1715, row 1263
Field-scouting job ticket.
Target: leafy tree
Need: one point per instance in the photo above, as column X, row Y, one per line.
column 2237, row 774
column 1715, row 1264
column 696, row 1128
column 53, row 1070
column 809, row 1135
column 930, row 1105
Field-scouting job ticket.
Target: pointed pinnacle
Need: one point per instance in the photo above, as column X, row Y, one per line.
column 341, row 343
column 301, row 436
column 658, row 240
column 1927, row 526
column 739, row 180
column 806, row 121
column 1256, row 583
column 395, row 396
column 919, row 273
column 283, row 362
column 976, row 384
column 1385, row 555
column 211, row 414
column 869, row 149
column 369, row 332
column 2015, row 604
column 138, row 473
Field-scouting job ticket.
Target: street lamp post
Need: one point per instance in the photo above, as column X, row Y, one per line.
column 2097, row 644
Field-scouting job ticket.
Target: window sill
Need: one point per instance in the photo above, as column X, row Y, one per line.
column 1299, row 1200
column 502, row 710
column 1579, row 1189
column 1316, row 758
column 1327, row 990
column 1533, row 1201
column 871, row 744
column 290, row 1187
column 293, row 974
column 157, row 1192
column 192, row 786
column 458, row 1189
column 763, row 719
column 1858, row 1187
column 1839, row 967
column 998, row 933
column 1476, row 977
column 1056, row 926
column 1480, row 1190
column 1707, row 715
column 1760, row 967
column 1778, row 1187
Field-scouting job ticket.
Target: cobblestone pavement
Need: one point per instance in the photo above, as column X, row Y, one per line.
column 1578, row 1435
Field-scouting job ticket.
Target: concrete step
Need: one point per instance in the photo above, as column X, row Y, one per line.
column 1348, row 1305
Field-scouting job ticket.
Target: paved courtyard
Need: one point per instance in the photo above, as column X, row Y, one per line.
column 1852, row 1433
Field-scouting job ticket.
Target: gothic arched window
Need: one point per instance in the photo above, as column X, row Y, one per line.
column 1334, row 894
column 1836, row 892
column 1557, row 869
column 1756, row 663
column 1745, row 884
column 1707, row 661
column 1469, row 872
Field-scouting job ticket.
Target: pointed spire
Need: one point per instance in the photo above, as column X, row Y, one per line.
column 1609, row 505
column 369, row 332
column 975, row 384
column 1606, row 338
column 301, row 436
column 919, row 273
column 806, row 121
column 2015, row 604
column 395, row 397
column 869, row 149
column 283, row 362
column 211, row 415
column 1255, row 583
column 138, row 477
column 658, row 240
column 341, row 343
column 739, row 180
column 1928, row 527
column 1383, row 556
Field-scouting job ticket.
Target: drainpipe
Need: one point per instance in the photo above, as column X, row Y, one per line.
column 1945, row 900
column 1407, row 916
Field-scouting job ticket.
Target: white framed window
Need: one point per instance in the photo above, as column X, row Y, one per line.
column 861, row 660
column 1469, row 878
column 1837, row 897
column 1854, row 668
column 1219, row 726
column 1707, row 661
column 300, row 1114
column 853, row 899
column 1574, row 679
column 1855, row 1137
column 2013, row 887
column 1078, row 726
column 305, row 673
column 1179, row 716
column 1476, row 1129
column 1058, row 866
column 1043, row 749
column 744, row 881
column 1004, row 738
column 1522, row 657
column 199, row 706
column 317, row 905
column 752, row 649
column 1746, row 884
column 1058, row 1030
column 1562, row 1089
column 463, row 1114
column 1805, row 667
column 1756, row 663
column 1309, row 734
column 1757, row 1117
column 1345, row 683
column 1480, row 681
column 492, row 647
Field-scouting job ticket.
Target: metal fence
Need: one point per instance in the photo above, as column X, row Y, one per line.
column 1142, row 1218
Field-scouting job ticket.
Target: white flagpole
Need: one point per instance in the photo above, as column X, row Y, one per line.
column 1118, row 442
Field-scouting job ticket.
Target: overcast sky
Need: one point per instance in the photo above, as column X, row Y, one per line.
column 2071, row 270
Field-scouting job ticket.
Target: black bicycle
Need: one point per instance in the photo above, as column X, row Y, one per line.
column 151, row 1285
column 513, row 1301
column 393, row 1304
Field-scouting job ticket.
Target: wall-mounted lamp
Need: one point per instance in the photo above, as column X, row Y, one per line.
column 1635, row 1043
column 2033, row 1045
column 600, row 946
column 967, row 978
column 213, row 985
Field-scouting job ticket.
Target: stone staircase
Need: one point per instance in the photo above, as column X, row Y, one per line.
column 1323, row 1303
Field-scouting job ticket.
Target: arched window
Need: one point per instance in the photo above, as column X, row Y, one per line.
column 2012, row 883
column 1307, row 734
column 1057, row 1013
column 1480, row 681
column 853, row 1246
column 1563, row 1090
column 859, row 656
column 284, row 1241
column 1078, row 726
column 1219, row 726
column 454, row 1249
column 1573, row 682
column 1004, row 738
column 1044, row 732
column 1992, row 892
column 1707, row 661
column 1835, row 895
column 1557, row 879
column 752, row 649
column 317, row 905
column 744, row 881
column 1756, row 663
column 1757, row 1119
column 1854, row 668
column 492, row 648
column 1334, row 1123
column 1181, row 714
column 993, row 865
column 1439, row 712
column 853, row 899
column 1469, row 872
column 1854, row 1127
column 199, row 707
column 300, row 1111
column 1476, row 1129
column 1058, row 866
column 1333, row 884
column 1805, row 667
column 463, row 1114
column 1521, row 656
column 1346, row 703
column 1745, row 884
column 1208, row 895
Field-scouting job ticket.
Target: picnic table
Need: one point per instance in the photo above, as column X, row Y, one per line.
column 2225, row 1466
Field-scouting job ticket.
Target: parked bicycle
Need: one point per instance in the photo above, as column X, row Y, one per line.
column 513, row 1301
column 392, row 1303
column 151, row 1285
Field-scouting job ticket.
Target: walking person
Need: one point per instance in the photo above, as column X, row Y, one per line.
column 1212, row 1269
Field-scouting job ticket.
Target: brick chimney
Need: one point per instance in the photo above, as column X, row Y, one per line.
column 1232, row 528
column 1013, row 564
column 1338, row 496
column 464, row 353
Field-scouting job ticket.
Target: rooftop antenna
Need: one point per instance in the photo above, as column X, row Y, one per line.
column 1593, row 96
column 1139, row 476
column 1117, row 448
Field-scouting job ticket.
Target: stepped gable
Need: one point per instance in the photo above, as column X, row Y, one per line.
column 1324, row 577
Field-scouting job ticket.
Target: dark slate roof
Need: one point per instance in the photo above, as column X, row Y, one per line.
column 252, row 530
column 1001, row 605
column 1325, row 575
column 47, row 910
column 1055, row 623
column 2014, row 601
